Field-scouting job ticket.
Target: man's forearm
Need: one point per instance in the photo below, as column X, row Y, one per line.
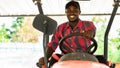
column 49, row 52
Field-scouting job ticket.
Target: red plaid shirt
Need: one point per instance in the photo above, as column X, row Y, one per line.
column 74, row 42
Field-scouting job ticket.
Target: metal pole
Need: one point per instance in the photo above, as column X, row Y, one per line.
column 45, row 42
column 45, row 36
column 108, row 29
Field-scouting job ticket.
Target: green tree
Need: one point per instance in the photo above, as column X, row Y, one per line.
column 6, row 34
column 114, row 48
column 100, row 24
column 113, row 43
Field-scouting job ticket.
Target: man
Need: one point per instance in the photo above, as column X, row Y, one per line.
column 74, row 24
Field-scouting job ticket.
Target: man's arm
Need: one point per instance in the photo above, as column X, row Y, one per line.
column 88, row 34
column 49, row 52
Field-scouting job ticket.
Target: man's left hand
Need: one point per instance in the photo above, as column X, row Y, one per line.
column 88, row 34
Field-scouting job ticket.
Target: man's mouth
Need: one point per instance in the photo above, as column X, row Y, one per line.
column 72, row 16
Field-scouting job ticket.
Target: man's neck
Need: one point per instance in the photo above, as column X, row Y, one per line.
column 74, row 23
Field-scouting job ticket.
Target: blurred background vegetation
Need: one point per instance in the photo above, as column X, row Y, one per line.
column 113, row 42
column 22, row 30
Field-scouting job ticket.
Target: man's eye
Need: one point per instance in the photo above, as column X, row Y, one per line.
column 74, row 10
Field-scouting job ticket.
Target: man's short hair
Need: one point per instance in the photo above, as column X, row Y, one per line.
column 73, row 3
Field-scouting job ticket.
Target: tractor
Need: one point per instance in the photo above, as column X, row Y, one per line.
column 77, row 58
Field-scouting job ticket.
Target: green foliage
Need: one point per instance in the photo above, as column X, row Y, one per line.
column 21, row 30
column 6, row 34
column 114, row 48
column 97, row 20
column 113, row 43
column 100, row 24
column 113, row 53
column 17, row 24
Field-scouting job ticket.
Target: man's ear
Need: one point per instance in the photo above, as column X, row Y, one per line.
column 65, row 11
column 80, row 12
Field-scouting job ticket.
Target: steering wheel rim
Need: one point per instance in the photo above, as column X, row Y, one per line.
column 88, row 50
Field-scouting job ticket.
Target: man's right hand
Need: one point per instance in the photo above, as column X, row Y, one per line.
column 49, row 54
column 41, row 61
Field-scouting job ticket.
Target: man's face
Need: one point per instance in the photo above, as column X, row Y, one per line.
column 72, row 13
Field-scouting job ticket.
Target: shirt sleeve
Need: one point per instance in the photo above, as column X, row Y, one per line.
column 55, row 40
column 93, row 28
column 90, row 26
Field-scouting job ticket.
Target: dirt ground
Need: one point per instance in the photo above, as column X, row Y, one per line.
column 117, row 65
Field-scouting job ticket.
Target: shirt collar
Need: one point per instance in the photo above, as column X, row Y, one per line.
column 79, row 25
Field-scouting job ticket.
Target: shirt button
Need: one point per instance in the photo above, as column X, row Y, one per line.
column 71, row 45
column 71, row 31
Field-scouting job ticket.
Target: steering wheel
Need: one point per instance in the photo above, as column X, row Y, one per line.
column 91, row 49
